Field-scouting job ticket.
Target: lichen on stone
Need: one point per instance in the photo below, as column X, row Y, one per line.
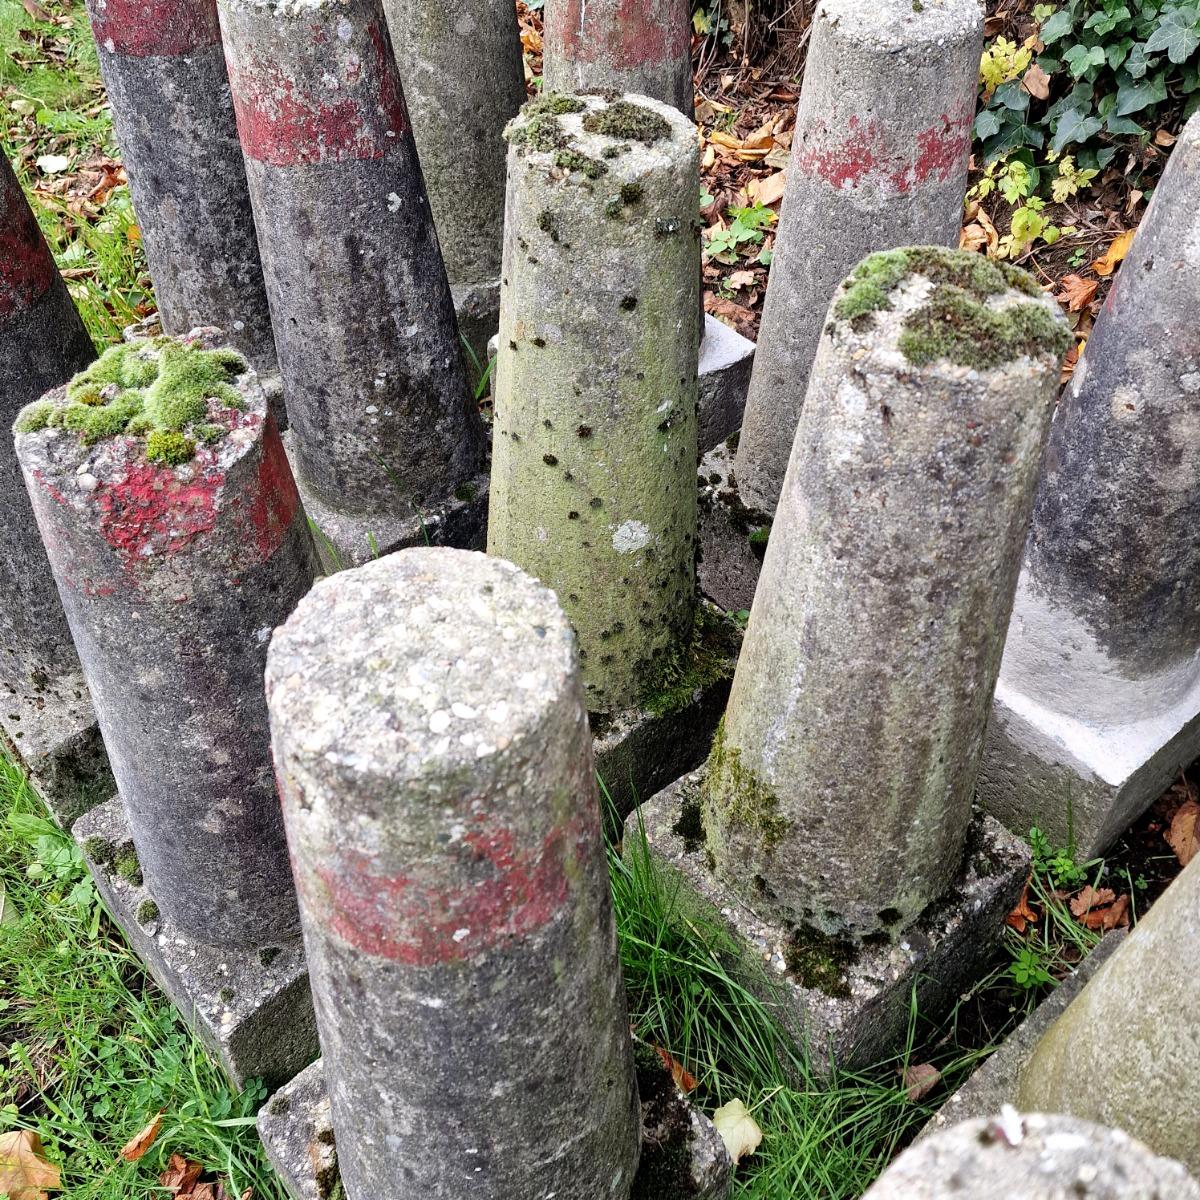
column 628, row 122
column 744, row 801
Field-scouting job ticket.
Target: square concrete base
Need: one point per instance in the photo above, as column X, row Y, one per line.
column 726, row 361
column 997, row 1081
column 1082, row 784
column 54, row 736
column 251, row 1008
column 348, row 539
column 863, row 1020
column 683, row 1157
column 733, row 538
column 641, row 750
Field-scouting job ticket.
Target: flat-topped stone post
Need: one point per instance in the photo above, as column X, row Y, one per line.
column 46, row 716
column 385, row 438
column 164, row 71
column 642, row 47
column 1036, row 1157
column 879, row 159
column 1127, row 1050
column 435, row 765
column 178, row 542
column 1098, row 704
column 464, row 80
column 836, row 806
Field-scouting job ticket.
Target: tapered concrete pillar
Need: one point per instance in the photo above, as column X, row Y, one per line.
column 384, row 430
column 866, row 675
column 165, row 74
column 45, row 713
column 436, row 771
column 594, row 452
column 639, row 46
column 177, row 541
column 879, row 159
column 1098, row 705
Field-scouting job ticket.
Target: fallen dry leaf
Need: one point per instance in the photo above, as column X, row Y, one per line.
column 972, row 237
column 1184, row 834
column 920, row 1080
column 1070, row 362
column 181, row 1175
column 1090, row 898
column 142, row 1140
column 685, row 1081
column 738, row 1129
column 741, row 279
column 1036, row 82
column 1022, row 914
column 770, row 190
column 1077, row 293
column 1107, row 263
column 1116, row 915
column 25, row 1172
column 1163, row 137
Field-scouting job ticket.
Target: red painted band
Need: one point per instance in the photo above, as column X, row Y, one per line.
column 276, row 501
column 26, row 265
column 284, row 121
column 155, row 28
column 624, row 34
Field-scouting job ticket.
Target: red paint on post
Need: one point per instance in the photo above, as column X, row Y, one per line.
column 155, row 28
column 627, row 34
column 283, row 125
column 26, row 265
column 276, row 500
column 423, row 920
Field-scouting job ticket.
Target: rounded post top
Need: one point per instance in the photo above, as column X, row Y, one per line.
column 430, row 661
column 906, row 24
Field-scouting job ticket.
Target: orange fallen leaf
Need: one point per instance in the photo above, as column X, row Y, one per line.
column 972, row 237
column 685, row 1081
column 1114, row 916
column 920, row 1080
column 1036, row 82
column 181, row 1175
column 1107, row 263
column 1163, row 137
column 1089, row 898
column 1076, row 292
column 1184, row 835
column 1022, row 914
column 142, row 1140
column 770, row 190
column 25, row 1172
column 1070, row 362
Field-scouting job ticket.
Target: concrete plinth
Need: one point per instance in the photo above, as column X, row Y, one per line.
column 251, row 1008
column 849, row 1005
column 477, row 310
column 733, row 538
column 683, row 1157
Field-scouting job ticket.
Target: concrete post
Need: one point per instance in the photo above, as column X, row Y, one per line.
column 1098, row 705
column 1034, row 1157
column 638, row 46
column 464, row 80
column 1131, row 1039
column 879, row 159
column 165, row 74
column 435, row 766
column 840, row 786
column 594, row 453
column 45, row 713
column 383, row 426
column 178, row 542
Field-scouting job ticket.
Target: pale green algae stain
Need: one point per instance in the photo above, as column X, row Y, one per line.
column 955, row 323
column 734, row 796
column 158, row 390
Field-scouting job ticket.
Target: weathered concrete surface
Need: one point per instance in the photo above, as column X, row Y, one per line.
column 866, row 675
column 995, row 1084
column 733, row 539
column 383, row 422
column 879, row 159
column 172, row 577
column 1098, row 704
column 437, row 778
column 638, row 46
column 683, row 1157
column 850, row 1005
column 1127, row 1050
column 46, row 717
column 594, row 451
column 1034, row 1157
column 252, row 1008
column 165, row 73
column 726, row 361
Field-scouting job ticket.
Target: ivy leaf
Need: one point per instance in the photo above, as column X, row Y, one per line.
column 1013, row 96
column 1137, row 64
column 1133, row 97
column 1057, row 26
column 1122, row 125
column 1177, row 34
column 988, row 124
column 1075, row 126
column 1082, row 58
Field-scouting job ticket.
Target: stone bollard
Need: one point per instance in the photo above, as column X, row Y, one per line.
column 165, row 74
column 594, row 452
column 177, row 541
column 46, row 716
column 1098, row 704
column 385, row 438
column 464, row 80
column 625, row 46
column 1127, row 1050
column 879, row 159
column 434, row 760
column 836, row 804
column 1033, row 1157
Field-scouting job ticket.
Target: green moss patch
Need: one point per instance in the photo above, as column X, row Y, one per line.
column 555, row 103
column 572, row 160
column 743, row 799
column 820, row 961
column 147, row 912
column 159, row 390
column 707, row 658
column 628, row 122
